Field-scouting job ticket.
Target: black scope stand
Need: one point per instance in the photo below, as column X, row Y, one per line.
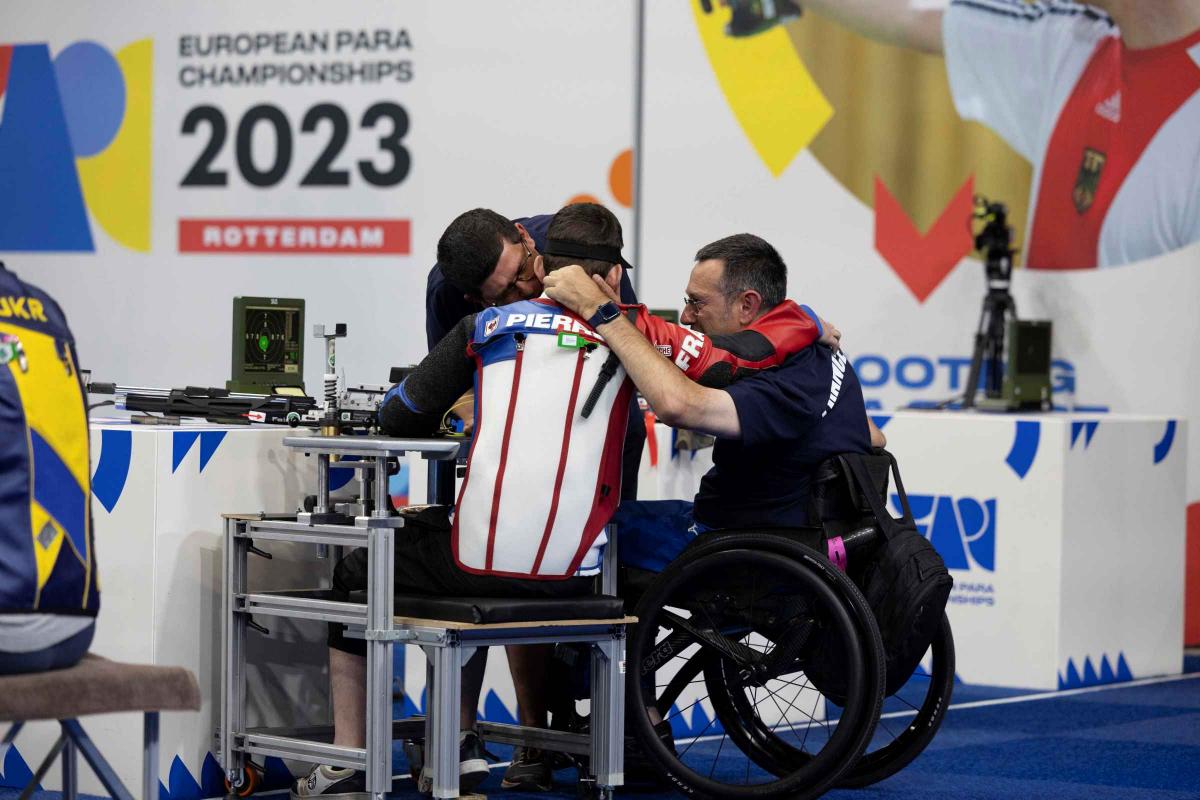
column 999, row 308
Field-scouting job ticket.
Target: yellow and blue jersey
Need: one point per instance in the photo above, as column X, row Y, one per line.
column 47, row 555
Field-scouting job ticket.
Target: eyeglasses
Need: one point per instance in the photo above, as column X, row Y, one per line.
column 696, row 304
column 524, row 274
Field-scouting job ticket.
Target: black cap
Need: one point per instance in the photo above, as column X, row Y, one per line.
column 593, row 252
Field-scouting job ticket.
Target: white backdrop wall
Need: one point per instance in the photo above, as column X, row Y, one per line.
column 1126, row 339
column 512, row 106
column 517, row 106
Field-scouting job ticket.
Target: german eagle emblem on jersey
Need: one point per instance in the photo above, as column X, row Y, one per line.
column 1088, row 179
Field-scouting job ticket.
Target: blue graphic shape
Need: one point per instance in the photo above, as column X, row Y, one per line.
column 209, row 442
column 1024, row 447
column 702, row 724
column 1123, row 671
column 945, row 536
column 979, row 530
column 181, row 443
column 1088, row 428
column 276, row 775
column 42, row 205
column 1106, row 671
column 17, row 773
column 1076, row 429
column 1073, row 680
column 182, row 785
column 921, row 506
column 881, row 419
column 93, row 96
column 494, row 709
column 57, row 491
column 116, row 450
column 1164, row 444
column 340, row 477
column 212, row 777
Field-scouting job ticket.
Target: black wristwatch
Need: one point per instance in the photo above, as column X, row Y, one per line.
column 605, row 313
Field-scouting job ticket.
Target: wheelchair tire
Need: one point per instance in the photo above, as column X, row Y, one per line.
column 750, row 733
column 707, row 579
column 894, row 755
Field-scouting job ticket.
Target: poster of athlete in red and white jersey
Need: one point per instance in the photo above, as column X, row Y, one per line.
column 1102, row 99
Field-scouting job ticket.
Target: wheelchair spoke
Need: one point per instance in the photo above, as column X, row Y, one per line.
column 681, row 711
column 783, row 713
column 811, row 716
column 697, row 738
column 718, row 756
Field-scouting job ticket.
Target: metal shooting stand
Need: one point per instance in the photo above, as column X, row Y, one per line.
column 446, row 629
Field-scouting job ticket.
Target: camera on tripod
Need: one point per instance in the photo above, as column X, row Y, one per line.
column 1025, row 384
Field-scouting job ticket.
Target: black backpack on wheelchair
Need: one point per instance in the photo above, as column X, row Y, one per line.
column 903, row 578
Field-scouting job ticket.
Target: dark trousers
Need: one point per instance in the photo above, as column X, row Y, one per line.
column 425, row 565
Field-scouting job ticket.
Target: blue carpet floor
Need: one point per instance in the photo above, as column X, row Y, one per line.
column 1114, row 743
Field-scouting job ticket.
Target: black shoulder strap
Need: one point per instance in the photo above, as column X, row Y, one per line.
column 607, row 371
column 888, row 524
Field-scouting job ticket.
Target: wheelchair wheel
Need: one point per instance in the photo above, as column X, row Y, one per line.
column 730, row 628
column 922, row 703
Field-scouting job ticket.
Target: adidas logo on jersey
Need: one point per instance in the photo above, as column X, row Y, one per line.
column 1110, row 109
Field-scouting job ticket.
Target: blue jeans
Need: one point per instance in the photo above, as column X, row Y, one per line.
column 66, row 653
column 652, row 533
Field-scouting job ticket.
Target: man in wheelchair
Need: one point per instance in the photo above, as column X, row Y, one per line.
column 753, row 618
column 773, row 425
column 543, row 475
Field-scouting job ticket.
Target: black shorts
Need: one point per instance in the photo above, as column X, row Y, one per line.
column 425, row 565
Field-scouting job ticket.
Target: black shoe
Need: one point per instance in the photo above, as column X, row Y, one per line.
column 331, row 783
column 640, row 768
column 529, row 771
column 472, row 765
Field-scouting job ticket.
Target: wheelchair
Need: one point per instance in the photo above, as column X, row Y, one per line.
column 756, row 668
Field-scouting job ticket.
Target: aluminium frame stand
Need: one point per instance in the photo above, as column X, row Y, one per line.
column 447, row 645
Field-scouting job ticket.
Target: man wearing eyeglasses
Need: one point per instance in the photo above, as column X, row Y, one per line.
column 773, row 427
column 484, row 260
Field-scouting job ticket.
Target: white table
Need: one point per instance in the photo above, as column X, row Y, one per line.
column 1064, row 535
column 158, row 493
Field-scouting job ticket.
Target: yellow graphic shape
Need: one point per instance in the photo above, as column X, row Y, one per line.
column 767, row 86
column 116, row 181
column 896, row 123
column 46, row 557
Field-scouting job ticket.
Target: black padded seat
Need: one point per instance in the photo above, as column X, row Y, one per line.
column 496, row 610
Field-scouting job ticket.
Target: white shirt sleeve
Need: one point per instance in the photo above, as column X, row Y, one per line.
column 1012, row 64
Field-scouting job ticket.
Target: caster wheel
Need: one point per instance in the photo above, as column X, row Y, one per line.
column 250, row 780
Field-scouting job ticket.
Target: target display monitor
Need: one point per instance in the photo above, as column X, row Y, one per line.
column 268, row 345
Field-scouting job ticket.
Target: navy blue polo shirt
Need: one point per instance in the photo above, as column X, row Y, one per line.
column 792, row 419
column 445, row 304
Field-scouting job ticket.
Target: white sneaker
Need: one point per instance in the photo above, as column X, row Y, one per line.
column 331, row 782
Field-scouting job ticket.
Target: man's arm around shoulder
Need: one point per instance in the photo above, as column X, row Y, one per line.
column 676, row 400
